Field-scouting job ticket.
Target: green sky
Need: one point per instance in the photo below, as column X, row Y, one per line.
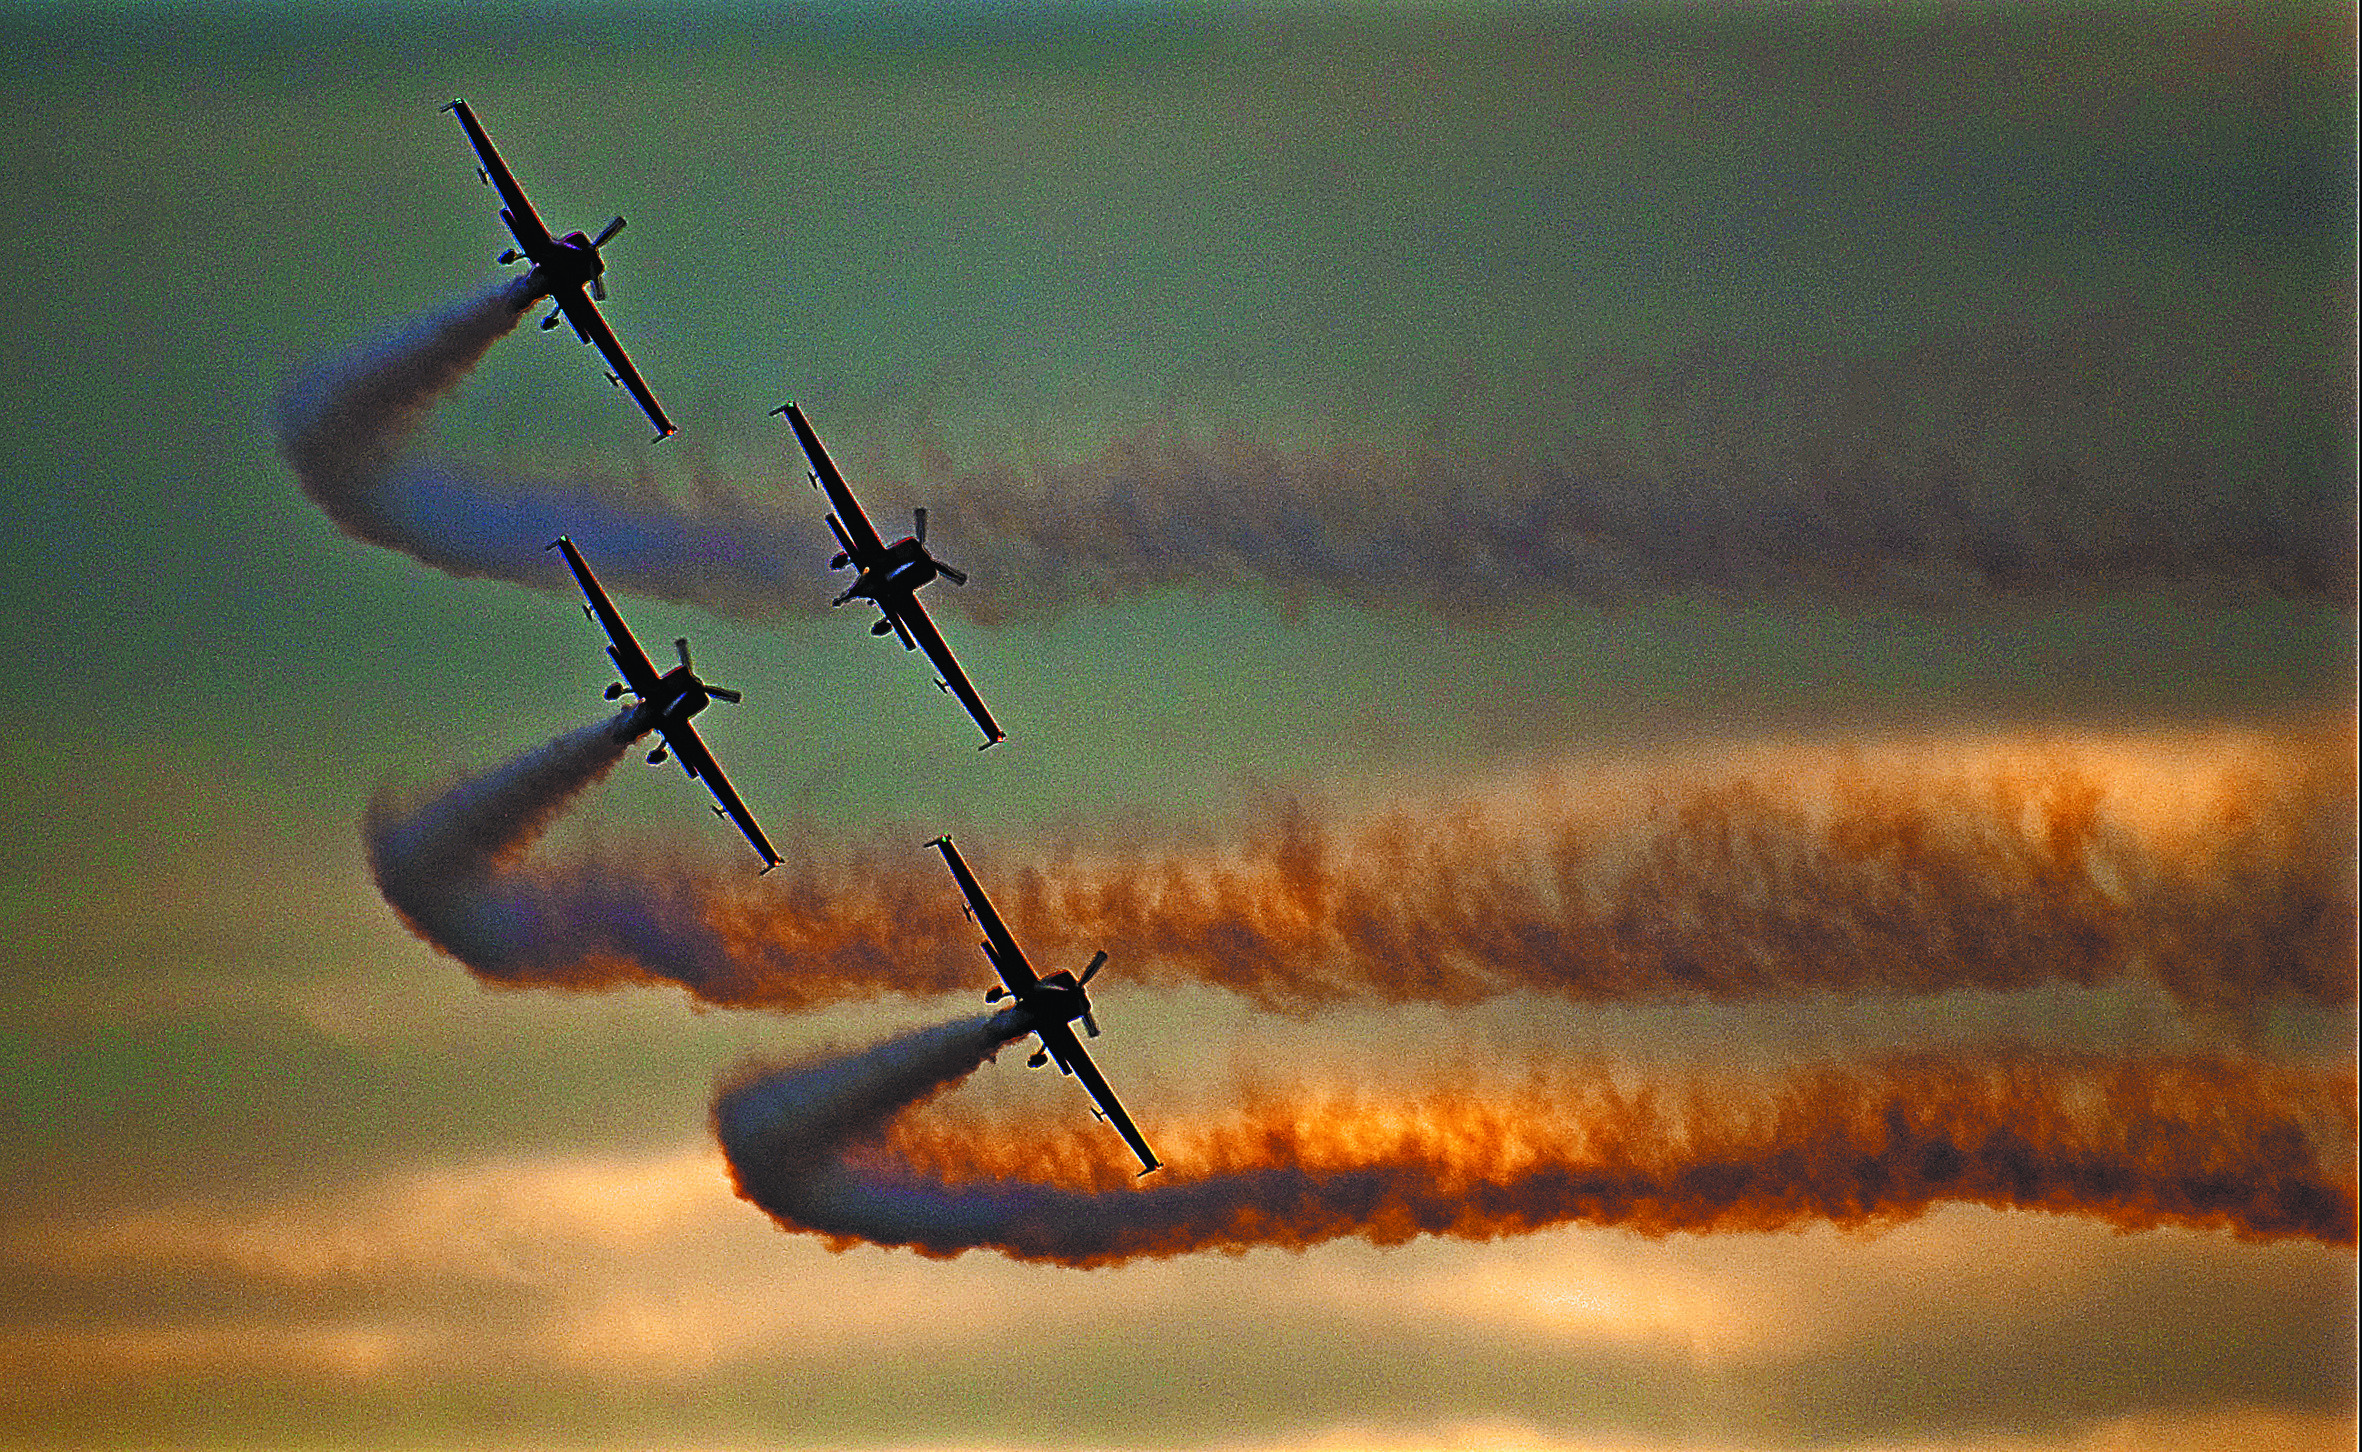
column 1884, row 379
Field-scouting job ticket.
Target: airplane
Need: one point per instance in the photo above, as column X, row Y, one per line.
column 562, row 268
column 1046, row 1006
column 664, row 703
column 889, row 576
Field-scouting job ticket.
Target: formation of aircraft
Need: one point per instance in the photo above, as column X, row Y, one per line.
column 563, row 267
column 568, row 271
column 889, row 575
column 664, row 703
column 1046, row 1006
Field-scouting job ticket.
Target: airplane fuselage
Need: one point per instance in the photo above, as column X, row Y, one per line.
column 678, row 696
column 1056, row 999
column 574, row 262
column 901, row 570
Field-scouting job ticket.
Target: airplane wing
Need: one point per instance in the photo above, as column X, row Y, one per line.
column 638, row 671
column 998, row 946
column 862, row 535
column 913, row 619
column 593, row 329
column 1059, row 1039
column 689, row 749
column 515, row 210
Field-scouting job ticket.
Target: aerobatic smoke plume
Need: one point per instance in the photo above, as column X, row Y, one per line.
column 2219, row 865
column 1987, row 463
column 439, row 861
column 343, row 425
column 1991, row 463
column 2202, row 1143
column 344, row 421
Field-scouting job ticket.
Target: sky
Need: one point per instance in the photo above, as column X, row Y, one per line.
column 1698, row 669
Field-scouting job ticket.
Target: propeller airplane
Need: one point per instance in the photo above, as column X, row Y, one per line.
column 562, row 268
column 889, row 576
column 1046, row 1006
column 664, row 703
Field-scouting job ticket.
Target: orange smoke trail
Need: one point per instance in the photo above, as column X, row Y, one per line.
column 2265, row 1154
column 2218, row 865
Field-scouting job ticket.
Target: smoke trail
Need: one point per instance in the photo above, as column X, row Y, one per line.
column 343, row 424
column 438, row 862
column 1991, row 463
column 2218, row 865
column 2196, row 1143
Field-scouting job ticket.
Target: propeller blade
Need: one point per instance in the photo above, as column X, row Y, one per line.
column 612, row 228
column 921, row 515
column 681, row 644
column 1090, row 1026
column 599, row 289
column 957, row 577
column 1098, row 960
column 724, row 693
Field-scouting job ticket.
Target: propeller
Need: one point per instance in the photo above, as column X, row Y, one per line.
column 611, row 229
column 956, row 577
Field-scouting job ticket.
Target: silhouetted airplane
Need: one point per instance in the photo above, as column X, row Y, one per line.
column 1046, row 1006
column 562, row 268
column 889, row 576
column 665, row 703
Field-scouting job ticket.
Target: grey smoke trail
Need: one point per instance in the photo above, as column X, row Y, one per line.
column 2125, row 450
column 438, row 862
column 344, row 422
column 1990, row 464
column 2205, row 1143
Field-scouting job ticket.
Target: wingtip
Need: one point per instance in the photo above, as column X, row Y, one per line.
column 560, row 540
column 783, row 408
column 1152, row 1169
